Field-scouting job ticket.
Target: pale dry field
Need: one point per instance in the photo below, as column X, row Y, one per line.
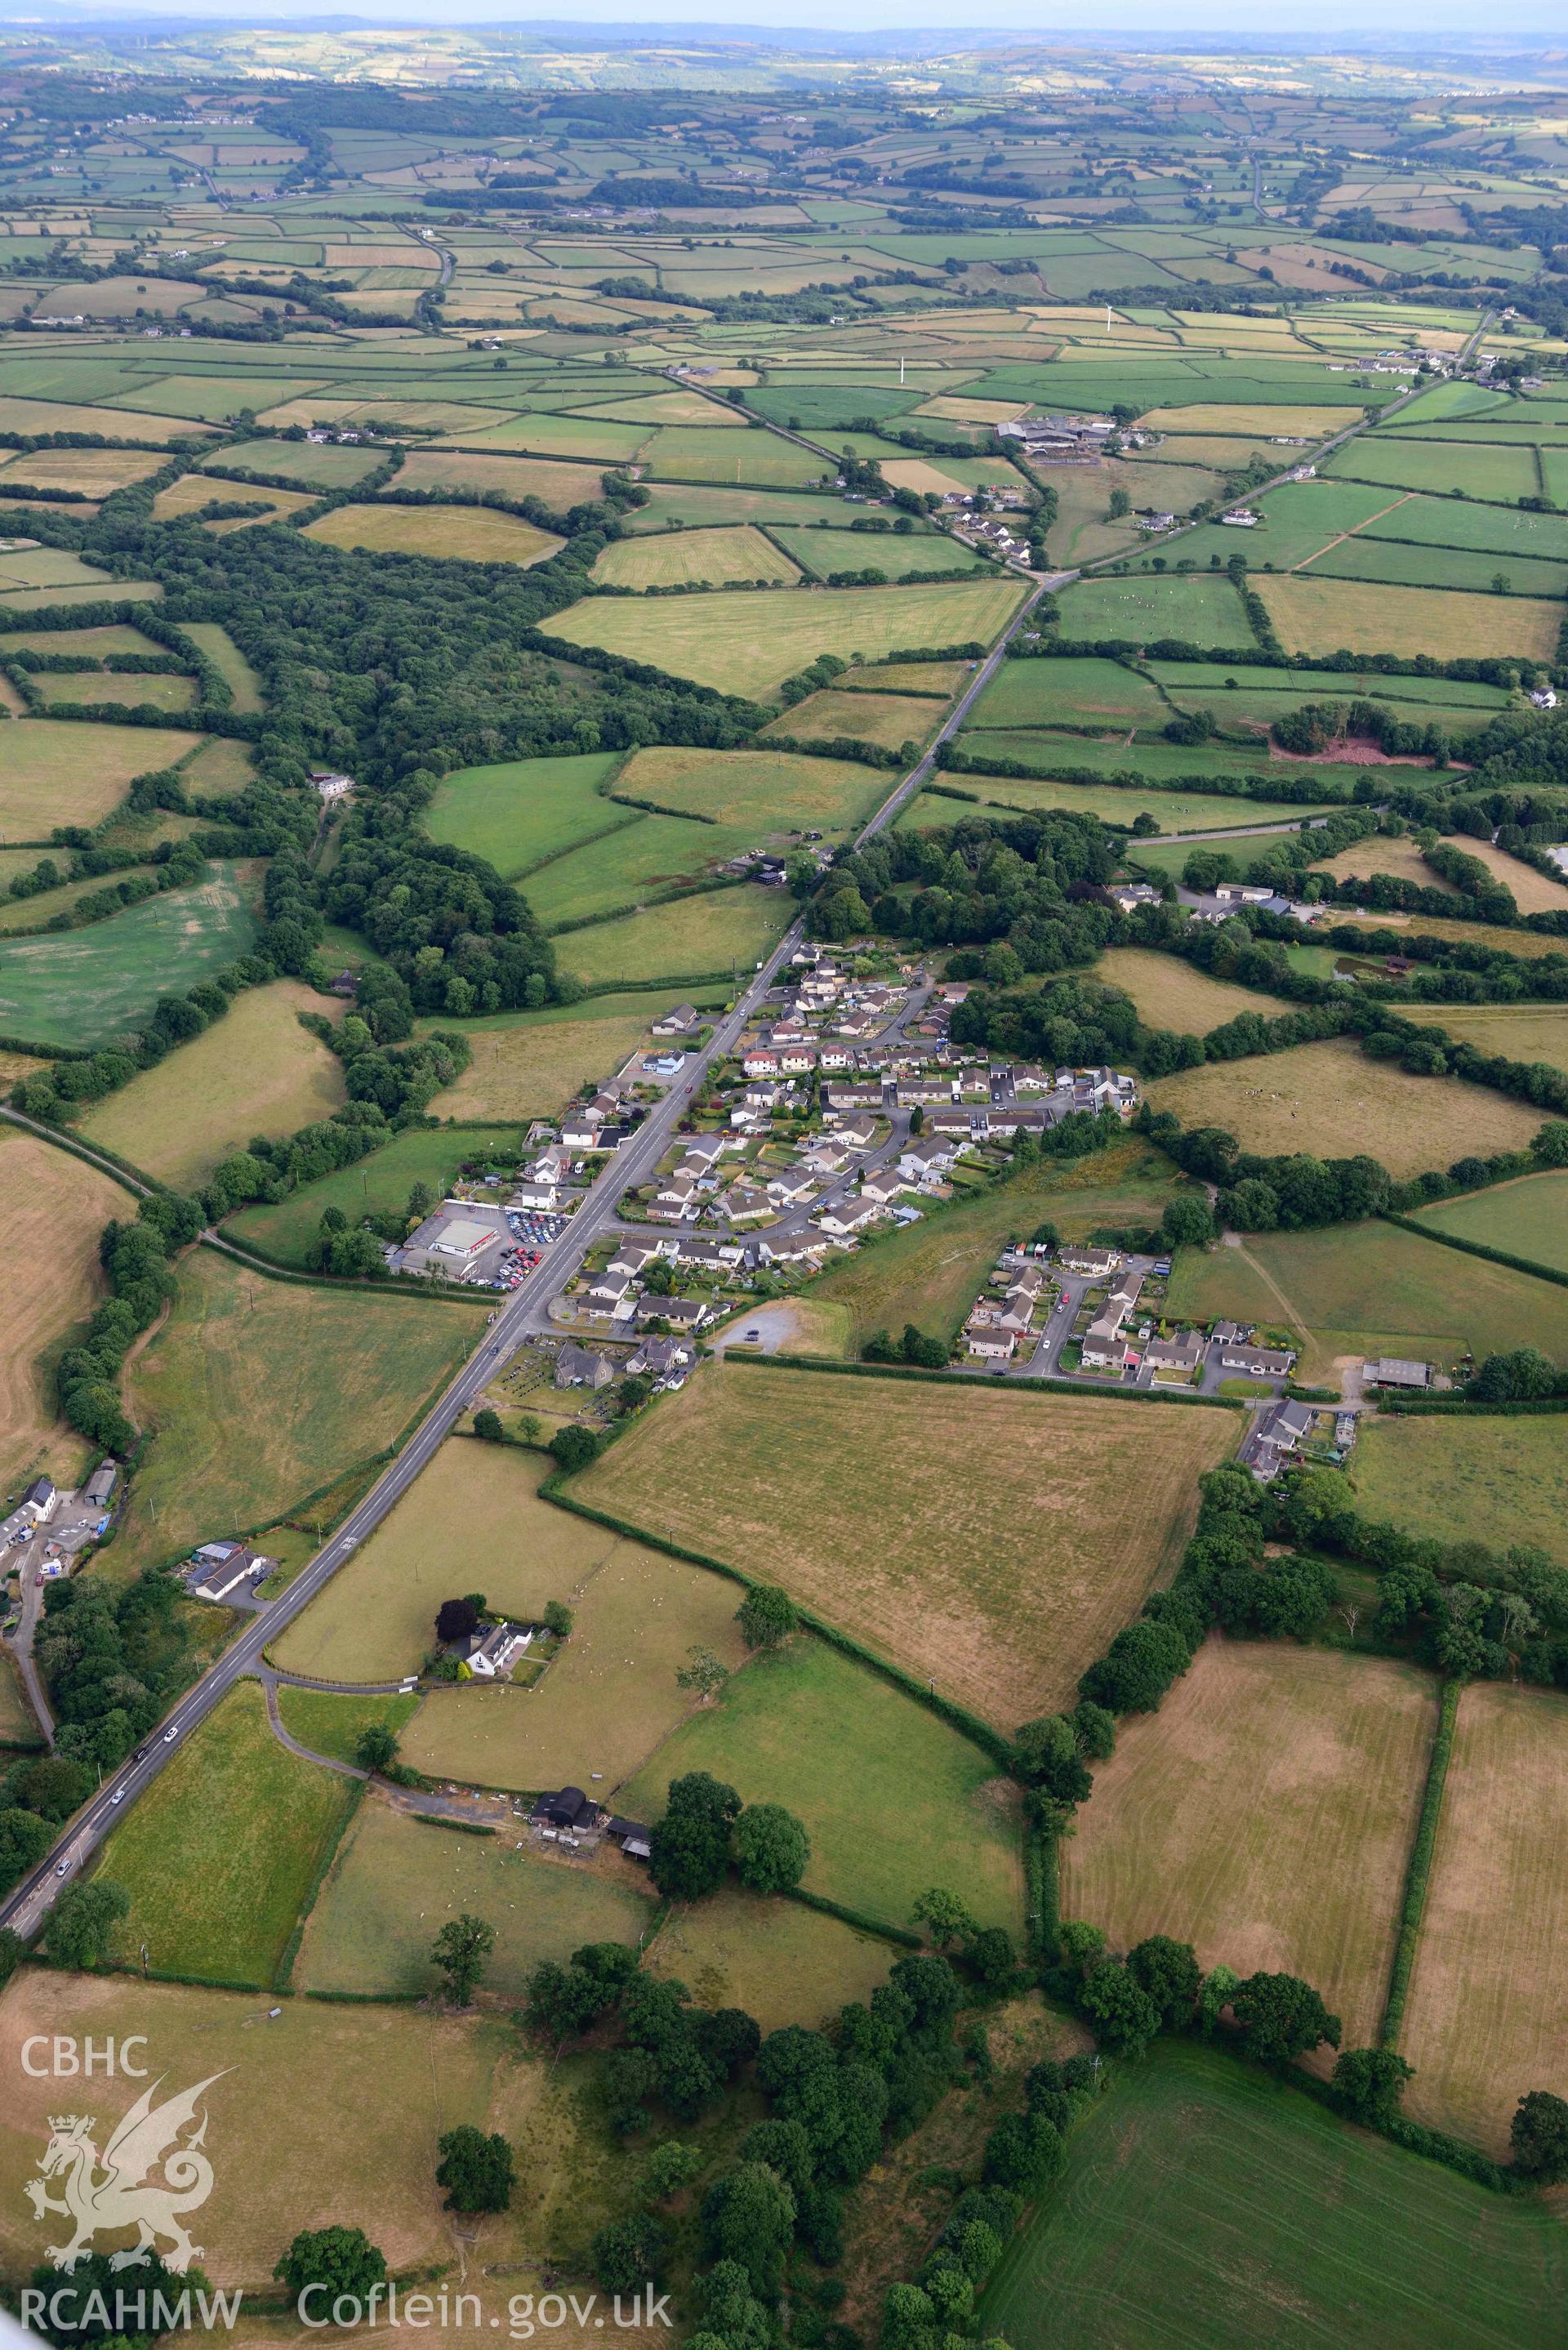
column 1532, row 892
column 56, row 1207
column 255, row 1071
column 559, row 484
column 1362, row 616
column 1329, row 1099
column 1483, row 2021
column 1170, row 994
column 530, row 1068
column 990, row 1542
column 477, row 533
column 1265, row 1814
column 1400, row 859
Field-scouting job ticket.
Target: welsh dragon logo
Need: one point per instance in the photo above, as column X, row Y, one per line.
column 103, row 2194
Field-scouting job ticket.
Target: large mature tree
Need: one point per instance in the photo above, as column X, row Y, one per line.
column 690, row 1845
column 766, row 1616
column 1539, row 2135
column 83, row 1920
column 1371, row 2082
column 772, row 1848
column 340, row 2260
column 24, row 1839
column 1123, row 2016
column 1170, row 1974
column 455, row 1619
column 630, row 2254
column 1282, row 2017
column 478, row 2172
column 460, row 1950
column 749, row 2216
column 376, row 1748
column 54, row 1786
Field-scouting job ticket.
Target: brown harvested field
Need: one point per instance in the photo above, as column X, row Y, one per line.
column 1363, row 616
column 1265, row 1814
column 192, row 491
column 525, row 1067
column 475, row 533
column 56, row 1207
column 991, row 1542
column 1533, row 892
column 1521, row 1032
column 255, row 1071
column 1399, row 858
column 335, row 2119
column 560, row 486
column 95, row 472
column 1170, row 994
column 1483, row 2021
column 1329, row 1099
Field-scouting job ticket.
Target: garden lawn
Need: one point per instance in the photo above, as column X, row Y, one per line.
column 335, row 2121
column 1202, row 608
column 1371, row 1289
column 522, row 812
column 705, row 558
column 1483, row 2019
column 56, row 1207
column 378, row 1185
column 1265, row 1814
column 1326, row 616
column 88, row 986
column 749, row 644
column 220, row 1853
column 1527, row 1218
column 988, row 1542
column 255, row 1071
column 261, row 1392
column 73, row 770
column 1500, row 1481
column 1171, row 993
column 835, row 1744
column 779, row 1960
column 477, row 533
column 397, row 1880
column 1200, row 2184
column 718, row 933
column 760, row 790
column 1329, row 1098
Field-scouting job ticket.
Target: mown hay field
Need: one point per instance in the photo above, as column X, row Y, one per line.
column 1399, row 858
column 1530, row 944
column 775, row 791
column 929, row 1272
column 749, row 644
column 17, row 1727
column 561, row 486
column 478, row 534
column 1527, row 1218
column 56, row 1207
column 1171, row 993
column 122, row 688
column 1329, row 1098
column 525, row 1067
column 73, row 770
column 991, row 1543
column 192, row 491
column 1203, row 2184
column 691, row 937
column 1371, row 1289
column 1203, row 608
column 219, row 1855
column 1483, row 2021
column 94, row 471
column 1265, row 1814
column 1533, row 892
column 255, row 1071
column 838, row 1745
column 396, row 1880
column 260, row 1392
column 84, row 987
column 520, row 812
column 705, row 558
column 1472, row 1478
column 338, row 2107
column 1324, row 616
column 890, row 720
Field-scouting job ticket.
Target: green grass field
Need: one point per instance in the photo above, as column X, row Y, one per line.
column 1474, row 1480
column 123, row 689
column 1118, row 804
column 749, row 644
column 218, row 1857
column 84, row 987
column 821, row 552
column 836, row 1745
column 698, row 505
column 231, row 664
column 698, row 453
column 1199, row 2184
column 316, row 466
column 1527, row 1218
column 261, row 1392
column 1203, row 609
column 974, row 1574
column 652, row 856
column 523, row 811
column 724, row 930
column 1480, row 469
column 396, row 1880
column 378, row 1185
column 1372, row 1289
column 74, row 771
column 781, row 1961
column 332, row 1724
column 704, row 559
column 761, row 791
column 255, row 1071
column 1068, row 692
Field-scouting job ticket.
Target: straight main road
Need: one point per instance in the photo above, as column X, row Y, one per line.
column 524, row 1311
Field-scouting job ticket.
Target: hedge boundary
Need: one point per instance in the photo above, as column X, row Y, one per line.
column 862, row 1924
column 1477, row 1248
column 283, row 1973
column 1420, row 1868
